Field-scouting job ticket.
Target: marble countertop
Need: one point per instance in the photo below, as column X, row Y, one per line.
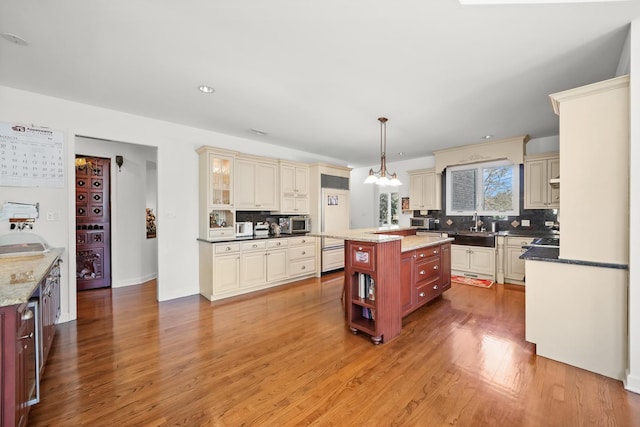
column 410, row 243
column 366, row 234
column 20, row 275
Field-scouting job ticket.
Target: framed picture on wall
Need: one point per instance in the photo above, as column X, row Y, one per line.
column 405, row 205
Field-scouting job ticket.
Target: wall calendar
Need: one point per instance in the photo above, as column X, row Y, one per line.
column 31, row 156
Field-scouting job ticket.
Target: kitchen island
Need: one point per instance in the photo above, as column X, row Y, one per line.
column 389, row 273
column 29, row 309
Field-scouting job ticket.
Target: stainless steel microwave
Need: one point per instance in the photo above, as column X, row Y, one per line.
column 295, row 225
column 424, row 223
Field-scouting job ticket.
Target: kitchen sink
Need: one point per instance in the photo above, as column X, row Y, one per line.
column 474, row 238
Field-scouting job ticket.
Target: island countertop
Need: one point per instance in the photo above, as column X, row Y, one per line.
column 409, row 243
column 20, row 275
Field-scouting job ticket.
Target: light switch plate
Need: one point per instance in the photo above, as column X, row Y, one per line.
column 526, row 223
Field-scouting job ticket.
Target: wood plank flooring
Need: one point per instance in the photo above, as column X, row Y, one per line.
column 285, row 357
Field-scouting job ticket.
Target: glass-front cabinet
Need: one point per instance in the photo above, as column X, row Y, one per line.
column 217, row 211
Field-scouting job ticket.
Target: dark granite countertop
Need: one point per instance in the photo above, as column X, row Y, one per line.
column 553, row 255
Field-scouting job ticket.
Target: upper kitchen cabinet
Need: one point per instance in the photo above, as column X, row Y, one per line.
column 540, row 189
column 294, row 188
column 594, row 168
column 256, row 183
column 425, row 190
column 216, row 193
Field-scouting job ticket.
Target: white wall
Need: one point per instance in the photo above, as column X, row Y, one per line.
column 177, row 164
column 632, row 381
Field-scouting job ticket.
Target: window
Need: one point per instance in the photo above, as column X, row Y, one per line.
column 389, row 203
column 490, row 189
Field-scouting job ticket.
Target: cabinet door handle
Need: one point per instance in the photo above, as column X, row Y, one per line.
column 27, row 315
column 422, row 294
column 228, row 248
column 435, row 251
column 304, row 267
column 25, row 337
column 359, row 248
column 435, row 287
column 435, row 267
column 421, row 255
column 255, row 246
column 304, row 253
column 422, row 272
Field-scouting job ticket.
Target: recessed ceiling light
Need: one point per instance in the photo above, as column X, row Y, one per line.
column 206, row 89
column 14, row 39
column 258, row 132
column 487, row 137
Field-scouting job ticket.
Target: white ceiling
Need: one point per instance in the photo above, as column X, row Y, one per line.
column 316, row 75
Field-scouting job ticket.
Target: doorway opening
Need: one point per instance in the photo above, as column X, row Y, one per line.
column 93, row 223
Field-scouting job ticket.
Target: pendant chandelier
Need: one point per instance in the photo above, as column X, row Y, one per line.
column 380, row 177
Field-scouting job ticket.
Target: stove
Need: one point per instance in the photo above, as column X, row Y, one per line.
column 545, row 242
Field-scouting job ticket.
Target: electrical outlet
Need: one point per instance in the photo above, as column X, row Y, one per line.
column 548, row 223
column 526, row 223
column 52, row 216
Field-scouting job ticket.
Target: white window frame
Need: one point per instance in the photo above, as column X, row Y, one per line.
column 479, row 191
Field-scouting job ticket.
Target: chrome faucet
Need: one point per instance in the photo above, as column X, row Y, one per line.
column 475, row 222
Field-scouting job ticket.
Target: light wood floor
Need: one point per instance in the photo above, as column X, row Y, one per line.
column 285, row 358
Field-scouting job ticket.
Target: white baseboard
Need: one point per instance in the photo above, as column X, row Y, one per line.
column 134, row 281
column 631, row 382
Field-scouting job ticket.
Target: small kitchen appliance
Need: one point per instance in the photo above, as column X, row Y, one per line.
column 295, row 225
column 425, row 223
column 261, row 229
column 244, row 229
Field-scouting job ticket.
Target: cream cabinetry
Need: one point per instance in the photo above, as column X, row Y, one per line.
column 474, row 261
column 233, row 268
column 514, row 266
column 256, row 183
column 425, row 192
column 216, row 193
column 302, row 256
column 294, row 188
column 277, row 260
column 538, row 171
column 594, row 167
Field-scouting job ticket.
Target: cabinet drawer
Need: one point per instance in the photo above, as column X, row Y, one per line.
column 427, row 252
column 221, row 233
column 519, row 241
column 428, row 290
column 362, row 256
column 303, row 266
column 227, row 248
column 278, row 243
column 300, row 252
column 254, row 246
column 427, row 269
column 301, row 240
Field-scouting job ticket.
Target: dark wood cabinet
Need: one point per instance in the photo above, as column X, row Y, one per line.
column 425, row 275
column 26, row 334
column 377, row 314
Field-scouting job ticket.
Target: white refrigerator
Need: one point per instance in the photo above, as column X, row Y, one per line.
column 335, row 217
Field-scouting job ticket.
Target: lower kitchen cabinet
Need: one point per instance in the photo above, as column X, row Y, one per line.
column 234, row 268
column 473, row 261
column 514, row 266
column 27, row 331
column 424, row 275
column 253, row 264
column 302, row 256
